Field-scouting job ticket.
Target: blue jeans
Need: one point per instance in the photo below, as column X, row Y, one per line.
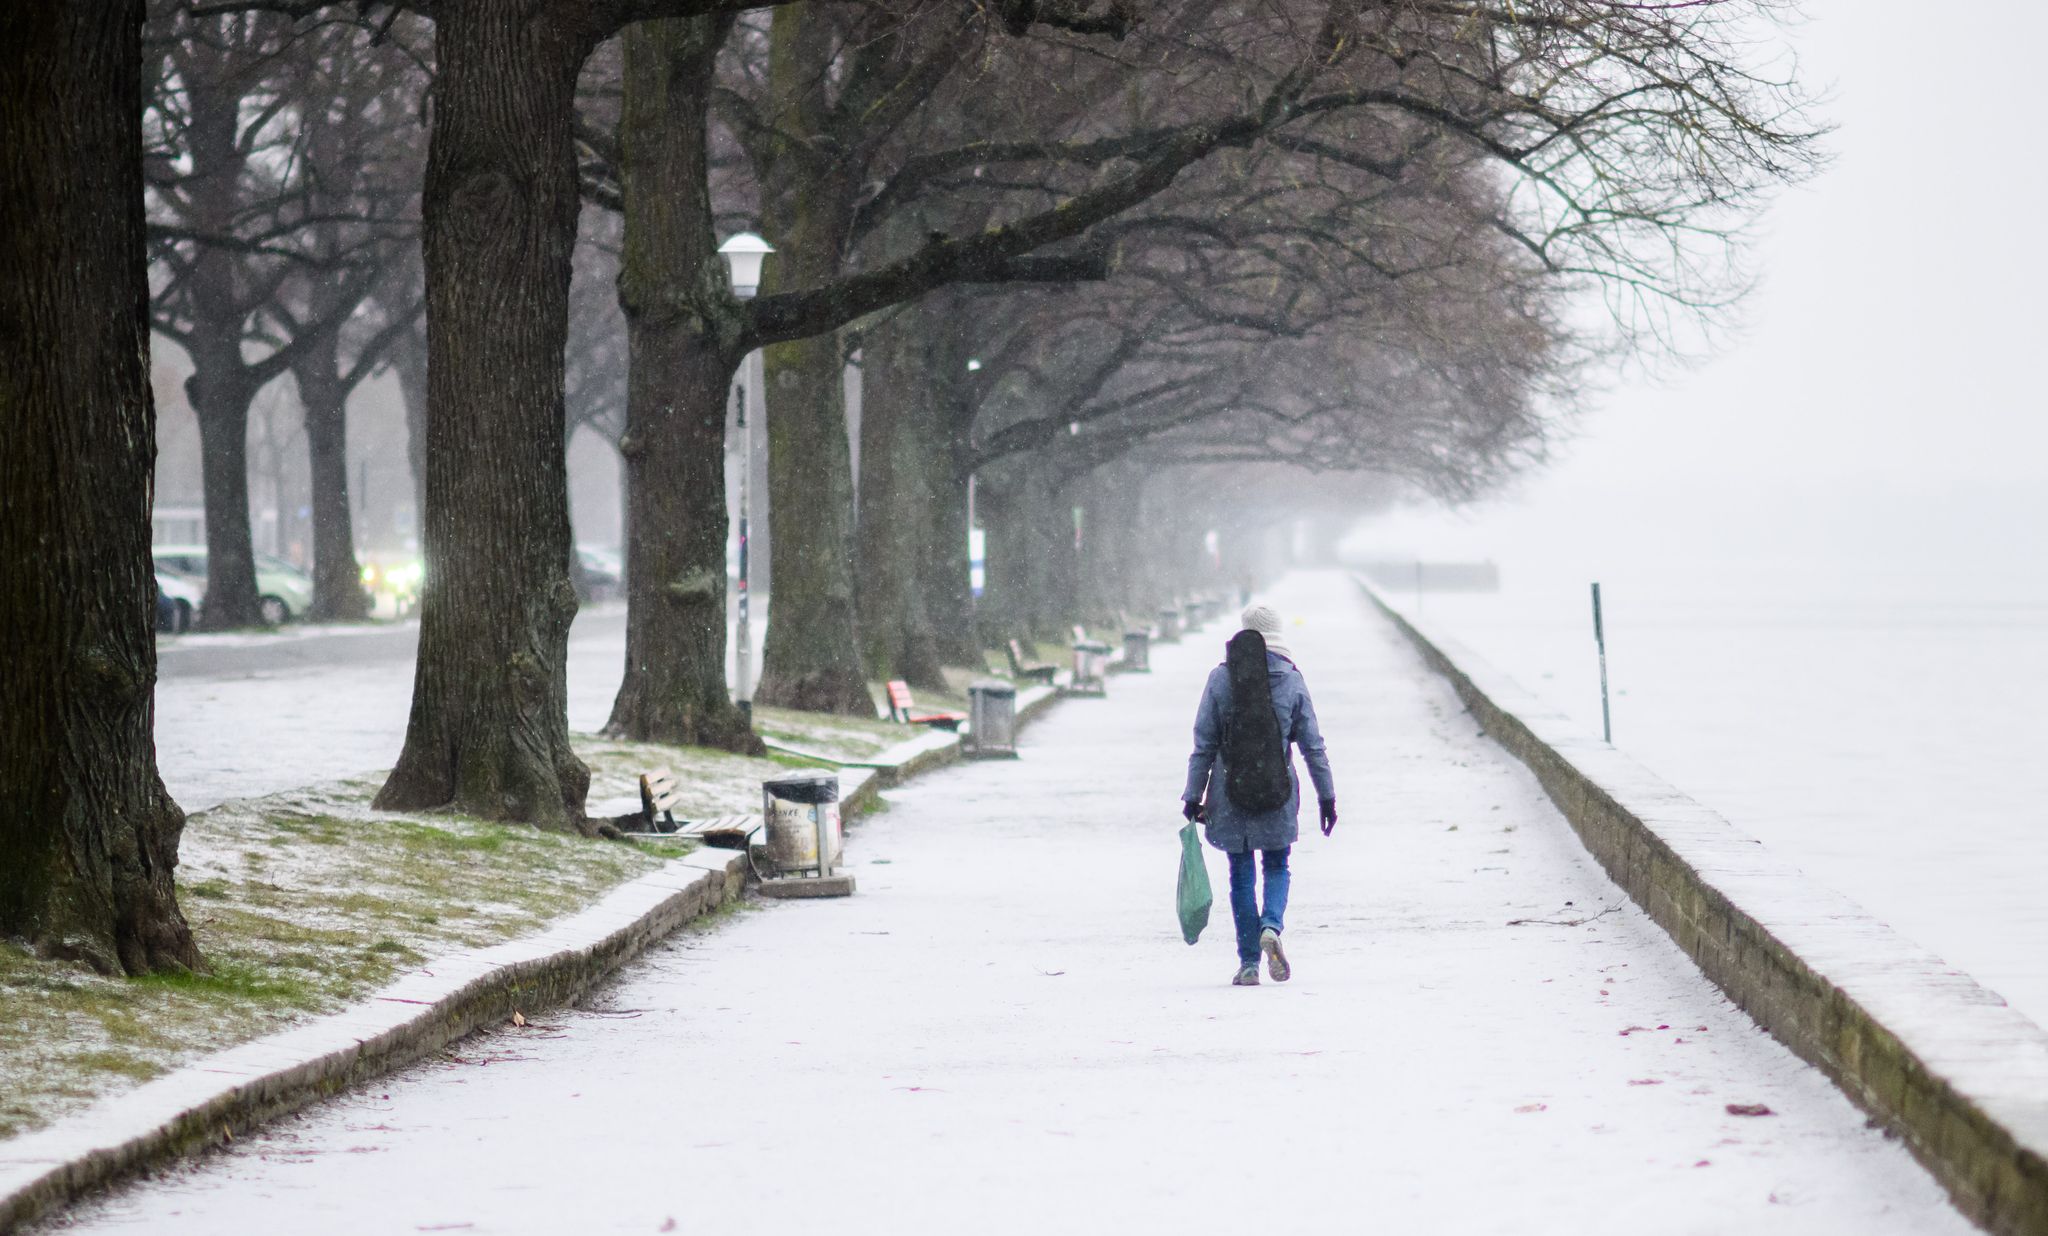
column 1244, row 900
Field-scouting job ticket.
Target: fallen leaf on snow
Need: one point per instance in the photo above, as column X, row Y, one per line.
column 1645, row 1081
column 1749, row 1109
column 1533, row 1107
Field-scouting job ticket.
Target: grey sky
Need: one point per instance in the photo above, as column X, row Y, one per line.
column 1884, row 393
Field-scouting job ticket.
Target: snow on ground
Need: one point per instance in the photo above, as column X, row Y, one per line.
column 1882, row 732
column 1003, row 1033
column 238, row 716
column 306, row 710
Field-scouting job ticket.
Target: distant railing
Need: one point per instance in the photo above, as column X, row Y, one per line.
column 1433, row 576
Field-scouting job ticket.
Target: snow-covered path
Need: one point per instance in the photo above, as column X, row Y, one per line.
column 1003, row 1033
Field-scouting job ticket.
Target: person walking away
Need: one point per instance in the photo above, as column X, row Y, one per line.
column 1241, row 786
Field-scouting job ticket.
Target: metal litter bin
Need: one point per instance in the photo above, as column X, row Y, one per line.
column 1137, row 652
column 991, row 721
column 1193, row 619
column 800, row 814
column 1091, row 668
column 1169, row 625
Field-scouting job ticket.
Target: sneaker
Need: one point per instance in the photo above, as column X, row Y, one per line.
column 1247, row 976
column 1276, row 957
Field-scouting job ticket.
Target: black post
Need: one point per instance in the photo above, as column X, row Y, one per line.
column 1600, row 642
column 744, row 642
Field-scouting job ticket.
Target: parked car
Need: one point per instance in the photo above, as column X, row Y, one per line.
column 393, row 581
column 177, row 602
column 284, row 591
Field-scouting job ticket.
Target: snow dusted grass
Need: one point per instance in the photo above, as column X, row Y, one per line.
column 855, row 738
column 307, row 900
column 714, row 782
column 302, row 902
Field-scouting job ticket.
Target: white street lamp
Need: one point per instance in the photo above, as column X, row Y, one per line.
column 743, row 256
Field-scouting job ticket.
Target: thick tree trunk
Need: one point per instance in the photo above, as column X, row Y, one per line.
column 947, row 568
column 812, row 659
column 670, row 278
column 1106, row 545
column 1058, row 598
column 944, row 453
column 220, row 402
column 901, row 428
column 1030, row 556
column 338, row 593
column 221, row 386
column 489, row 731
column 88, row 837
column 917, row 601
column 1003, row 506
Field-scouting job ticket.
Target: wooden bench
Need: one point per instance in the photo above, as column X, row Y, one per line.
column 1020, row 668
column 659, row 794
column 903, row 709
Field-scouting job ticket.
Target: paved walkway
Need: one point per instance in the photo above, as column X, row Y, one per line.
column 1003, row 1032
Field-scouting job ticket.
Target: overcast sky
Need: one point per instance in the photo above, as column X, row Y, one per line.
column 1884, row 396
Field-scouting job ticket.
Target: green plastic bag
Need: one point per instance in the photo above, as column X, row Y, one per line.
column 1192, row 897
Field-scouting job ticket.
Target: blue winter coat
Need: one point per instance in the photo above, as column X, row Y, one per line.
column 1230, row 828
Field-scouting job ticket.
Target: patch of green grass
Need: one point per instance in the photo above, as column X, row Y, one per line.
column 117, row 1062
column 240, row 982
column 832, row 735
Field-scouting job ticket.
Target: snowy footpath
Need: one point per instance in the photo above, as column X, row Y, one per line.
column 1003, row 1032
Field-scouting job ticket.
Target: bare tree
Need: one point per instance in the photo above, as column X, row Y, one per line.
column 279, row 200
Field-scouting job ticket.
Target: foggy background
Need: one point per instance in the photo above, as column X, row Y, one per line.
column 1822, row 551
column 1878, row 409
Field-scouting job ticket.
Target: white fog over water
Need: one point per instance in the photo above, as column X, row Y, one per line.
column 1825, row 552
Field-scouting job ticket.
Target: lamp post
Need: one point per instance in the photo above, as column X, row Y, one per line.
column 743, row 256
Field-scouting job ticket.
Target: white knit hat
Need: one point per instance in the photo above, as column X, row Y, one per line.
column 1266, row 621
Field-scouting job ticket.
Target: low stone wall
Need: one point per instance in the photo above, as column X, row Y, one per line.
column 1941, row 1061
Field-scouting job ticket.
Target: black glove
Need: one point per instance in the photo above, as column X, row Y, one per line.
column 1327, row 808
column 1192, row 809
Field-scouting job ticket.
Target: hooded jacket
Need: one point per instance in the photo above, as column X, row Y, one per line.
column 1231, row 828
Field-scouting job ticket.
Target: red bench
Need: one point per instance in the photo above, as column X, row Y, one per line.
column 902, row 708
column 1021, row 668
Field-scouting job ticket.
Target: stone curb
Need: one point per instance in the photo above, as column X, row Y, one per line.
column 1942, row 1061
column 231, row 1091
column 201, row 1103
